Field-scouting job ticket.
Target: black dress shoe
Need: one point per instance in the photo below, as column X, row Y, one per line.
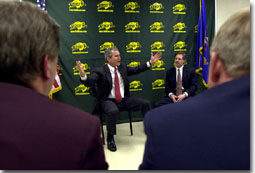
column 111, row 145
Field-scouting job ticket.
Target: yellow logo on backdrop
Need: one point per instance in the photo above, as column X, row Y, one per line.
column 157, row 46
column 132, row 7
column 157, row 27
column 135, row 85
column 195, row 28
column 156, row 8
column 179, row 9
column 106, row 27
column 85, row 67
column 179, row 28
column 77, row 27
column 133, row 64
column 77, row 5
column 133, row 47
column 159, row 65
column 81, row 90
column 158, row 84
column 106, row 45
column 180, row 46
column 79, row 48
column 105, row 6
column 132, row 27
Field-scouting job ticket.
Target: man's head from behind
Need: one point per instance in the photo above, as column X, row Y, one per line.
column 29, row 45
column 230, row 50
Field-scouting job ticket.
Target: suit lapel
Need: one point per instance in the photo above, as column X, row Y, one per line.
column 174, row 77
column 184, row 75
column 121, row 71
column 108, row 74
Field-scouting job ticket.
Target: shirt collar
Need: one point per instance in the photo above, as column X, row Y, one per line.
column 179, row 68
column 111, row 68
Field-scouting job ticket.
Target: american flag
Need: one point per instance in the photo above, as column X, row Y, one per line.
column 57, row 84
column 41, row 4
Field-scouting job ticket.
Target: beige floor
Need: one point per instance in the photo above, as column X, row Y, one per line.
column 130, row 149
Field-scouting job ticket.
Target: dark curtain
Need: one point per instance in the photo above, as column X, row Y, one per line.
column 137, row 28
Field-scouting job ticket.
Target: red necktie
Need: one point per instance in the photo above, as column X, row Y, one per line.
column 118, row 97
column 179, row 84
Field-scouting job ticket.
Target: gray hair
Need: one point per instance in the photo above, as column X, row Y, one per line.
column 232, row 44
column 108, row 52
column 27, row 34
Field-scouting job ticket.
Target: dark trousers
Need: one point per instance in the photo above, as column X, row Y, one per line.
column 163, row 101
column 112, row 110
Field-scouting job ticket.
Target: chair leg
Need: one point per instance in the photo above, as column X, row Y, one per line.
column 102, row 128
column 130, row 123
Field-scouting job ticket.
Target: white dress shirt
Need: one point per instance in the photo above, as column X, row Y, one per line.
column 112, row 93
column 181, row 72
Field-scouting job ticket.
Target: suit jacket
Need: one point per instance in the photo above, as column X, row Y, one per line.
column 101, row 77
column 189, row 81
column 210, row 131
column 38, row 133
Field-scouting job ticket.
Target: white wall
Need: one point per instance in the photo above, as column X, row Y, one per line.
column 225, row 8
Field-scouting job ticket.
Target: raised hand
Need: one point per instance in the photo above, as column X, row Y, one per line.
column 80, row 68
column 156, row 57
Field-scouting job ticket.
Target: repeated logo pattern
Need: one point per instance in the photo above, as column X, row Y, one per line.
column 157, row 27
column 134, row 27
column 78, row 27
column 80, row 48
column 157, row 46
column 133, row 47
column 179, row 9
column 132, row 7
column 133, row 64
column 106, row 27
column 105, row 6
column 156, row 8
column 81, row 90
column 135, row 85
column 158, row 84
column 159, row 65
column 106, row 45
column 77, row 5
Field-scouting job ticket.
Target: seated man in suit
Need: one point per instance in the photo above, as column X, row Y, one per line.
column 37, row 133
column 181, row 82
column 113, row 89
column 210, row 131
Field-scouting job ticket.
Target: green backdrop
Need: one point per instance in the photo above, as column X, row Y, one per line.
column 137, row 28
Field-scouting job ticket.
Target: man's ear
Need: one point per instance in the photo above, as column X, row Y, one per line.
column 108, row 58
column 216, row 67
column 45, row 67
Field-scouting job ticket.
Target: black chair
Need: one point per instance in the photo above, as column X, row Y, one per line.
column 99, row 111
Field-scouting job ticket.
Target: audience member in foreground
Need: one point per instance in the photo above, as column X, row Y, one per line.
column 35, row 132
column 210, row 131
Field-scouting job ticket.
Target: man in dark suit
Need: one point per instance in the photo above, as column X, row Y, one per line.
column 210, row 131
column 114, row 95
column 188, row 82
column 37, row 133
